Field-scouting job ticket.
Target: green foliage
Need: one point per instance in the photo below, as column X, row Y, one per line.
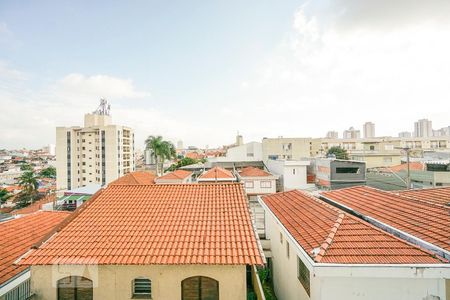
column 162, row 150
column 24, row 199
column 181, row 163
column 49, row 172
column 29, row 182
column 26, row 167
column 338, row 152
column 4, row 195
column 266, row 281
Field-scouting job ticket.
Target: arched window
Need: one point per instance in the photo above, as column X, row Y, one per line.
column 75, row 288
column 142, row 288
column 199, row 288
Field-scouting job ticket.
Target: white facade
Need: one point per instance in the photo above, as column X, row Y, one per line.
column 292, row 173
column 97, row 153
column 259, row 185
column 247, row 152
column 369, row 130
column 351, row 133
column 423, row 128
column 347, row 281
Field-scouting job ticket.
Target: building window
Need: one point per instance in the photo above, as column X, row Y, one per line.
column 281, row 238
column 347, row 170
column 303, row 275
column 293, row 171
column 266, row 184
column 372, row 147
column 199, row 288
column 287, row 249
column 142, row 288
column 75, row 288
column 387, row 159
column 249, row 184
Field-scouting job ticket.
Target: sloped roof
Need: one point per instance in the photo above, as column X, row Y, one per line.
column 157, row 224
column 330, row 235
column 138, row 177
column 217, row 173
column 413, row 166
column 439, row 196
column 426, row 221
column 253, row 172
column 18, row 235
column 177, row 174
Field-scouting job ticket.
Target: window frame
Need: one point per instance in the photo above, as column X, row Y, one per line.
column 268, row 184
column 137, row 295
column 305, row 280
column 249, row 184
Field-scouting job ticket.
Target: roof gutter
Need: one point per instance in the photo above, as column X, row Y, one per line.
column 390, row 229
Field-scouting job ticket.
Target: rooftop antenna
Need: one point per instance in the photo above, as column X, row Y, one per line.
column 104, row 108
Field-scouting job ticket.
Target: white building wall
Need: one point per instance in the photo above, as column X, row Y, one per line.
column 248, row 152
column 257, row 189
column 292, row 173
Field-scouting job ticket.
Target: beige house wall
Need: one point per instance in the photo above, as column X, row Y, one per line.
column 288, row 148
column 114, row 282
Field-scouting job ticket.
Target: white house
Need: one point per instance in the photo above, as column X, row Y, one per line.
column 257, row 181
column 292, row 173
column 321, row 252
column 247, row 152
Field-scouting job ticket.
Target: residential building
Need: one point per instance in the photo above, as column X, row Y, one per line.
column 337, row 173
column 216, row 174
column 177, row 176
column 321, row 252
column 423, row 128
column 244, row 153
column 292, row 173
column 180, row 145
column 97, row 153
column 189, row 241
column 239, row 140
column 438, row 196
column 404, row 134
column 351, row 133
column 18, row 236
column 289, row 148
column 332, row 135
column 369, row 130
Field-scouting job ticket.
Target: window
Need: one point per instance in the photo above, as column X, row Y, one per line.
column 372, row 147
column 142, row 288
column 287, row 249
column 303, row 275
column 348, row 170
column 387, row 159
column 249, row 184
column 293, row 171
column 199, row 288
column 266, row 184
column 75, row 288
column 281, row 238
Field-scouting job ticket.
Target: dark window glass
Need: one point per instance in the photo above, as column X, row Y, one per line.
column 75, row 288
column 200, row 288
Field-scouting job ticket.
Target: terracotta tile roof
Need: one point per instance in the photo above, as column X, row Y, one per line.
column 194, row 155
column 439, row 196
column 428, row 222
column 157, row 224
column 413, row 166
column 177, row 174
column 253, row 172
column 330, row 235
column 217, row 173
column 18, row 235
column 34, row 206
column 138, row 177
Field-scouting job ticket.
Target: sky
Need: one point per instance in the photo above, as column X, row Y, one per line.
column 201, row 71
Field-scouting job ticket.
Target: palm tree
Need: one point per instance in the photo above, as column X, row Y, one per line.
column 161, row 150
column 29, row 182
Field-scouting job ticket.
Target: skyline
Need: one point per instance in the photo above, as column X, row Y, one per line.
column 189, row 73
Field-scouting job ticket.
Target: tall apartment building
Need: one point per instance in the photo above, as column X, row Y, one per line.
column 97, row 153
column 369, row 130
column 423, row 128
column 352, row 133
column 404, row 134
column 332, row 135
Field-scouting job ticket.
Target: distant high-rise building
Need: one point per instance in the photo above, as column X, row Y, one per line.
column 369, row 130
column 239, row 140
column 97, row 153
column 444, row 131
column 332, row 135
column 423, row 128
column 352, row 133
column 404, row 134
column 180, row 145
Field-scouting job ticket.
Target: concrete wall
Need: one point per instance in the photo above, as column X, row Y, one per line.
column 115, row 282
column 292, row 173
column 288, row 148
column 257, row 189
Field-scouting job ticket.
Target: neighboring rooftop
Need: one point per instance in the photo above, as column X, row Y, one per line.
column 439, row 196
column 425, row 221
column 137, row 177
column 413, row 166
column 157, row 224
column 175, row 175
column 217, row 173
column 19, row 234
column 253, row 172
column 35, row 206
column 329, row 235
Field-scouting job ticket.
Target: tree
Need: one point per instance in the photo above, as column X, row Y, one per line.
column 338, row 152
column 26, row 167
column 29, row 182
column 49, row 172
column 4, row 195
column 181, row 163
column 161, row 150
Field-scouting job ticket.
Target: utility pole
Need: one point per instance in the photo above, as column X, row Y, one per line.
column 408, row 175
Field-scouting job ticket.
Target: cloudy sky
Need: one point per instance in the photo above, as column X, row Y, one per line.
column 199, row 71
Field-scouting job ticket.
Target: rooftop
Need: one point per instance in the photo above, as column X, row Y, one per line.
column 19, row 234
column 138, row 177
column 157, row 224
column 425, row 221
column 329, row 235
column 253, row 172
column 177, row 174
column 217, row 173
column 439, row 196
